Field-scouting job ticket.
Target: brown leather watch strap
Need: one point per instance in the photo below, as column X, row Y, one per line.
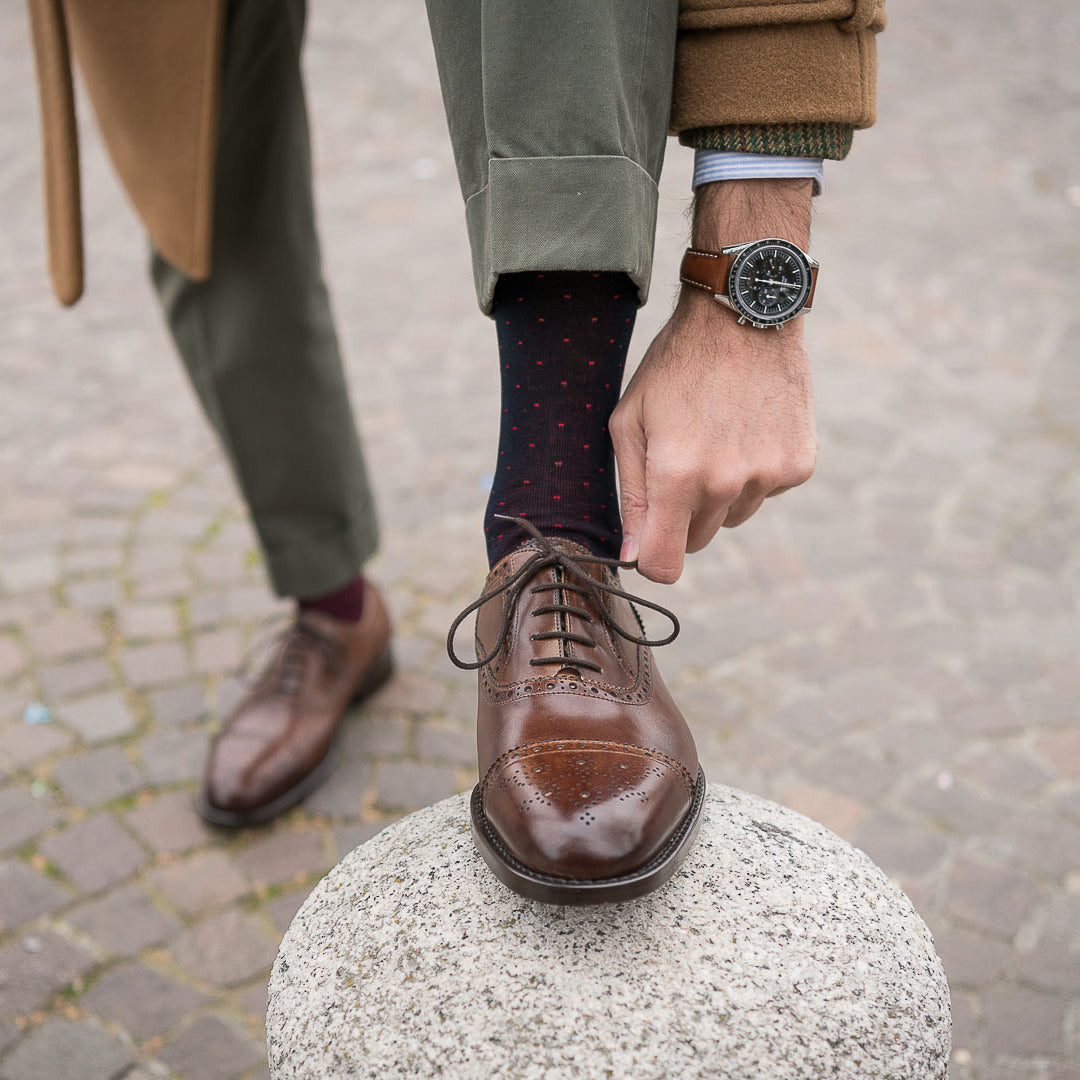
column 705, row 270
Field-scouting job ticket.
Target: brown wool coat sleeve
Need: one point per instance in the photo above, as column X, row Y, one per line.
column 767, row 62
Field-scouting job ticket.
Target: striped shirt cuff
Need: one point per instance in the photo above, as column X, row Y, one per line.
column 710, row 165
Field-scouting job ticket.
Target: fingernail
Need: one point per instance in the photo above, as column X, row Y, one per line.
column 629, row 549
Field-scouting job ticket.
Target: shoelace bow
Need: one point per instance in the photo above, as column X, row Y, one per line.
column 293, row 642
column 548, row 556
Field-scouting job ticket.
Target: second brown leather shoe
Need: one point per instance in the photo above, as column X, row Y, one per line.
column 590, row 788
column 278, row 743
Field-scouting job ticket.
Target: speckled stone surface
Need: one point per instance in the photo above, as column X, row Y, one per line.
column 778, row 950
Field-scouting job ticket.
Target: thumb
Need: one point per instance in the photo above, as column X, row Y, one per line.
column 629, row 443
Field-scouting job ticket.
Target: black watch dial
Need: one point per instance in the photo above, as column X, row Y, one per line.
column 769, row 282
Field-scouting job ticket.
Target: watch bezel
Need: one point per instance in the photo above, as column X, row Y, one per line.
column 742, row 253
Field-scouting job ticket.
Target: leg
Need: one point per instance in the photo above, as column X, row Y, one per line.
column 258, row 342
column 558, row 114
column 258, row 338
column 590, row 786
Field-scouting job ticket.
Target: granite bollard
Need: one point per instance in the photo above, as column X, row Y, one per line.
column 778, row 950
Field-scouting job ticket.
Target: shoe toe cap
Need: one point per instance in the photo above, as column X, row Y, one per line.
column 585, row 811
column 243, row 772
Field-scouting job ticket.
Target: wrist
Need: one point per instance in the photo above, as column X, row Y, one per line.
column 731, row 212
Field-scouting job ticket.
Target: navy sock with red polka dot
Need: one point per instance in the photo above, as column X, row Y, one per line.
column 563, row 338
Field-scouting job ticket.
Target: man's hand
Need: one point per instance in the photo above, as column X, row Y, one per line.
column 718, row 416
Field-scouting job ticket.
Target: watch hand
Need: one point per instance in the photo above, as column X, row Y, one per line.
column 769, row 281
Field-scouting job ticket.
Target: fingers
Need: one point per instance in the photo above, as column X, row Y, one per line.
column 628, row 440
column 671, row 497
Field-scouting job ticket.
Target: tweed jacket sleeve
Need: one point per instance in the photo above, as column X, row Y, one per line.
column 791, row 77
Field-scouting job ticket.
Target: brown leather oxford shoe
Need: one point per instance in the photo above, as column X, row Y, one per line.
column 278, row 744
column 590, row 788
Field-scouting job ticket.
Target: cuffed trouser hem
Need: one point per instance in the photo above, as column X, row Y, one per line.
column 562, row 213
column 318, row 565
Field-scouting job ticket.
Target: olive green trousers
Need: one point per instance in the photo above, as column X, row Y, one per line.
column 558, row 114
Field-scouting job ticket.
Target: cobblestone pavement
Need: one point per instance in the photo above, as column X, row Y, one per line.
column 892, row 650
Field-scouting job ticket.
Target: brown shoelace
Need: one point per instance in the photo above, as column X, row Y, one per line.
column 549, row 555
column 290, row 647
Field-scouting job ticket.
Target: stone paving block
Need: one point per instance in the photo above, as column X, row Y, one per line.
column 66, row 634
column 149, row 561
column 965, row 1033
column 229, row 692
column 1006, row 773
column 98, row 529
column 409, row 692
column 252, row 999
column 205, row 610
column 13, row 657
column 26, row 744
column 281, row 909
column 283, row 856
column 217, row 651
column 140, row 999
column 124, row 921
column 25, row 894
column 89, row 560
column 408, row 785
column 198, row 884
column 348, row 792
column 74, row 677
column 94, row 594
column 808, row 719
column 141, row 621
column 756, row 748
column 173, row 756
column 898, row 845
column 1022, row 1021
column 35, row 966
column 253, row 602
column 22, row 816
column 348, row 837
column 909, row 746
column 177, row 705
column 210, row 1050
column 1041, row 841
column 226, row 949
column 94, row 853
column 169, row 524
column 172, row 586
column 29, row 572
column 366, row 735
column 850, row 771
column 990, row 898
column 1061, row 752
column 17, row 611
column 972, row 960
column 446, row 744
column 954, row 805
column 169, row 824
column 836, row 812
column 64, row 1050
column 98, row 776
column 151, row 665
column 100, row 717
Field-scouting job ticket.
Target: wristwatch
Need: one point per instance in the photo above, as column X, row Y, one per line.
column 765, row 282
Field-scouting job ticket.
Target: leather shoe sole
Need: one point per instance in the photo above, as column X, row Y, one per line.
column 555, row 890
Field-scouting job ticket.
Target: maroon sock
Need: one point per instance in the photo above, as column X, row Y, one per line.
column 346, row 603
column 563, row 338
